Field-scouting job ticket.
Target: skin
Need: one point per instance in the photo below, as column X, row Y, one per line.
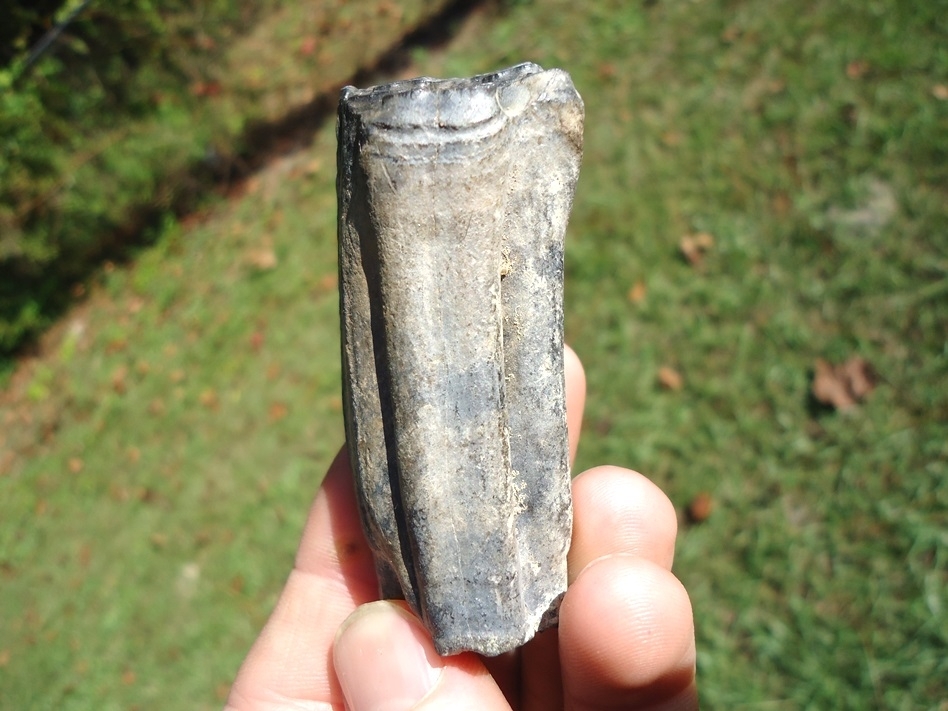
column 625, row 639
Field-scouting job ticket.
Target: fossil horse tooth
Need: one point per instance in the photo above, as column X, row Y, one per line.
column 454, row 197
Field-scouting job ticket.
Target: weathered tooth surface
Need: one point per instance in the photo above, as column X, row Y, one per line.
column 453, row 201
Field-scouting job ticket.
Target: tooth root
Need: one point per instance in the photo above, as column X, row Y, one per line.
column 453, row 202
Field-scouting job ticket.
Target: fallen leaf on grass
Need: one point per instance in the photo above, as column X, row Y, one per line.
column 237, row 584
column 262, row 259
column 669, row 378
column 693, row 247
column 278, row 411
column 603, row 427
column 845, row 384
column 606, row 70
column 116, row 345
column 4, row 657
column 75, row 465
column 206, row 88
column 857, row 69
column 390, row 9
column 327, row 283
column 208, row 398
column 700, row 507
column 135, row 304
column 308, row 46
column 940, row 92
column 637, row 292
column 118, row 379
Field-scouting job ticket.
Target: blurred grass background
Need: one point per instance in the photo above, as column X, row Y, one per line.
column 159, row 449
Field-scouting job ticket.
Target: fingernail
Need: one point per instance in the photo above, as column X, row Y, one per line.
column 384, row 659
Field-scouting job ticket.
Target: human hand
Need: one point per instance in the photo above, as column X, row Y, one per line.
column 625, row 638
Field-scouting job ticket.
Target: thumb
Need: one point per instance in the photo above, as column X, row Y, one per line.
column 385, row 661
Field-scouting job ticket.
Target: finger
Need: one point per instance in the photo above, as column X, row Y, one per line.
column 575, row 399
column 386, row 661
column 617, row 510
column 290, row 663
column 627, row 638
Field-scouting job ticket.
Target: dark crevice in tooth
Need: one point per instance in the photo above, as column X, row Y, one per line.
column 453, row 202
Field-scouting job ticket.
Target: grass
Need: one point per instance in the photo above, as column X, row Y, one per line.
column 212, row 87
column 158, row 458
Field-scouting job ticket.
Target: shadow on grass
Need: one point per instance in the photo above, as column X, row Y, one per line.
column 49, row 295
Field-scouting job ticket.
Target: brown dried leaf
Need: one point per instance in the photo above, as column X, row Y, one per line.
column 116, row 345
column 208, row 398
column 135, row 304
column 263, row 259
column 860, row 377
column 327, row 282
column 637, row 292
column 278, row 411
column 700, row 508
column 843, row 385
column 118, row 379
column 206, row 88
column 857, row 69
column 308, row 46
column 669, row 378
column 387, row 8
column 940, row 92
column 607, row 70
column 693, row 247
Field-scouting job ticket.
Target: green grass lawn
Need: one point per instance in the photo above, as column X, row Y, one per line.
column 158, row 458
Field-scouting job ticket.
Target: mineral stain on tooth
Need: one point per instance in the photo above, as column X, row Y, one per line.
column 454, row 197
